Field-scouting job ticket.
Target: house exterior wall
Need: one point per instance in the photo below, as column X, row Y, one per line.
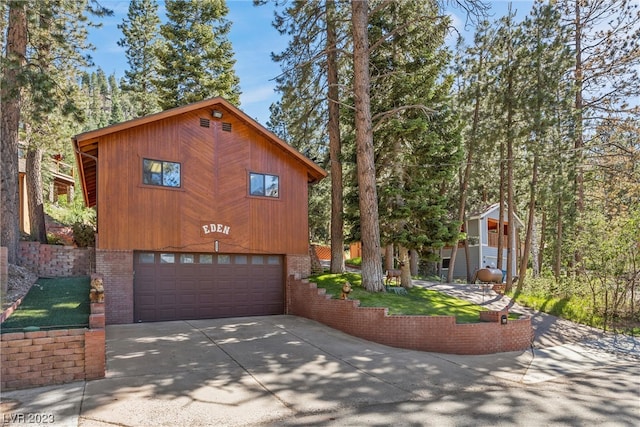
column 211, row 211
column 481, row 254
column 473, row 227
column 215, row 167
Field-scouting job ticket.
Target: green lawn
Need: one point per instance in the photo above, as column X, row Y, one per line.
column 417, row 301
column 52, row 304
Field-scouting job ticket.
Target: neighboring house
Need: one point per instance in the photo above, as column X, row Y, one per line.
column 482, row 236
column 62, row 183
column 201, row 213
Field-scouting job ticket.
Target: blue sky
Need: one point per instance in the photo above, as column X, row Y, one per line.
column 253, row 38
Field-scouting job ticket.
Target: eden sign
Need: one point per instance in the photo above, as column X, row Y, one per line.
column 207, row 229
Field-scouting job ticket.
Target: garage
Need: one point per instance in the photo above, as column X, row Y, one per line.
column 183, row 286
column 203, row 213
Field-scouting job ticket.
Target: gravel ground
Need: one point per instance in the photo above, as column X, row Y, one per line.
column 20, row 281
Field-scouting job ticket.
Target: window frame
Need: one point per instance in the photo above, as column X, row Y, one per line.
column 162, row 183
column 264, row 192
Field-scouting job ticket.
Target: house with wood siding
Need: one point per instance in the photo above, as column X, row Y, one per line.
column 201, row 213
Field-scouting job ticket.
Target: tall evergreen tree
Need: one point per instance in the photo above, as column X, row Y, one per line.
column 117, row 113
column 606, row 38
column 416, row 131
column 372, row 276
column 195, row 56
column 10, row 102
column 310, row 88
column 546, row 92
column 58, row 42
column 46, row 46
column 141, row 30
column 335, row 141
column 472, row 91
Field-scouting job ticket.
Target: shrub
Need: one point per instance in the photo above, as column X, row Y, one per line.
column 52, row 239
column 83, row 234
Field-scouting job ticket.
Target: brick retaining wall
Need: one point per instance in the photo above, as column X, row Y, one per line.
column 56, row 260
column 35, row 359
column 440, row 334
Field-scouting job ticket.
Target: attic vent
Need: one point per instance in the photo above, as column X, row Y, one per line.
column 226, row 127
column 204, row 123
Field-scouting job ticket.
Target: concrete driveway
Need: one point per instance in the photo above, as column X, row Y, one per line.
column 285, row 371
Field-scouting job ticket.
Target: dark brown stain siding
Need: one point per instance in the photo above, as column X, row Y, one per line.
column 214, row 177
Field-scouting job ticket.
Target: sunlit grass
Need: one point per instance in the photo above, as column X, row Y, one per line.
column 572, row 299
column 417, row 301
column 52, row 303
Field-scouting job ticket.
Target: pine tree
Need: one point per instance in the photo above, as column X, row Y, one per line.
column 141, row 30
column 11, row 97
column 195, row 56
column 372, row 276
column 605, row 73
column 472, row 91
column 57, row 37
column 311, row 95
column 547, row 91
column 416, row 131
column 117, row 113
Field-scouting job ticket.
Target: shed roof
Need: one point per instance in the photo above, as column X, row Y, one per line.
column 86, row 144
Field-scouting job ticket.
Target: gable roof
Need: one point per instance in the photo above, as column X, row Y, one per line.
column 86, row 144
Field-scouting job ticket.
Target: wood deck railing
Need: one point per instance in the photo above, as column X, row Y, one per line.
column 493, row 240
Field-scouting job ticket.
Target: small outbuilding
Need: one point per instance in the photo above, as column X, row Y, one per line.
column 482, row 237
column 201, row 213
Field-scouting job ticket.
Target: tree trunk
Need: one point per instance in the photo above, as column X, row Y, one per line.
column 467, row 254
column 405, row 270
column 414, row 262
column 510, row 184
column 501, row 210
column 35, row 196
column 558, row 249
column 388, row 257
column 335, row 146
column 16, row 47
column 579, row 141
column 461, row 207
column 511, row 226
column 530, row 222
column 543, row 237
column 465, row 180
column 372, row 275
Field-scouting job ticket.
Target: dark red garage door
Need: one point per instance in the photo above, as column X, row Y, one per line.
column 181, row 286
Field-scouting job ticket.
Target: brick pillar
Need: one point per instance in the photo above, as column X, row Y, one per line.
column 116, row 269
column 94, row 342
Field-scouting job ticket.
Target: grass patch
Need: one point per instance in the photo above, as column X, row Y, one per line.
column 52, row 304
column 354, row 262
column 574, row 308
column 417, row 301
column 571, row 308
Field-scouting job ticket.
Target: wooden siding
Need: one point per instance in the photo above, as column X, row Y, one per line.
column 214, row 189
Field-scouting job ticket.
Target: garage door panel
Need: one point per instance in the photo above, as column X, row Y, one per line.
column 171, row 286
